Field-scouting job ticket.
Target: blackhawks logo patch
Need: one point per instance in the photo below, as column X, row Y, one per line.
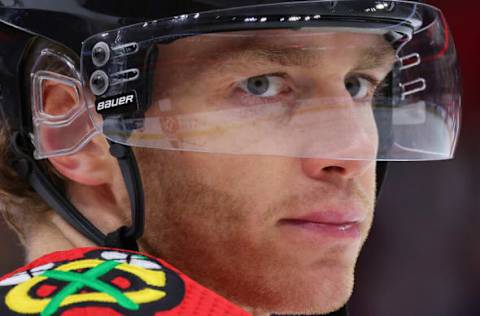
column 103, row 282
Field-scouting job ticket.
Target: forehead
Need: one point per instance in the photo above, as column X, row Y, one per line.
column 313, row 39
column 305, row 47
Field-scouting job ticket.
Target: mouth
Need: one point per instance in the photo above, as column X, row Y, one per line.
column 337, row 225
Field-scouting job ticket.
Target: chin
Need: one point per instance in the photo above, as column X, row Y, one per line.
column 321, row 293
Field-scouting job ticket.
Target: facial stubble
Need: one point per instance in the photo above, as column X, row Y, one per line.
column 207, row 233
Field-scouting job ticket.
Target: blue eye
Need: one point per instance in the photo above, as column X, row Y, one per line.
column 263, row 86
column 358, row 87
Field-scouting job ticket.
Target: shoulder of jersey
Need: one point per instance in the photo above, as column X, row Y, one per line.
column 101, row 281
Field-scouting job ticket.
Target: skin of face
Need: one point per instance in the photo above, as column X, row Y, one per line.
column 220, row 217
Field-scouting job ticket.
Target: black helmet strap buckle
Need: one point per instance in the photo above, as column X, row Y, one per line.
column 126, row 237
column 27, row 167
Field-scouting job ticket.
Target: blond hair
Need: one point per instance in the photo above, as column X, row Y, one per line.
column 20, row 205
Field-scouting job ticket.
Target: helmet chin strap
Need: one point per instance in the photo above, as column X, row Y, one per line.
column 21, row 150
column 126, row 237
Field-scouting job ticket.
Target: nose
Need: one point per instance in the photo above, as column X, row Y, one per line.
column 335, row 170
column 347, row 138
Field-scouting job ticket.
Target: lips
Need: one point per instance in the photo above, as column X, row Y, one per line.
column 336, row 218
column 335, row 224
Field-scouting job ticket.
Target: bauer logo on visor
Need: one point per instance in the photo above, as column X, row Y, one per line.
column 117, row 104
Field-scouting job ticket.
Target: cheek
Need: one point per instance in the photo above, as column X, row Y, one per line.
column 196, row 194
column 368, row 188
column 247, row 178
column 368, row 179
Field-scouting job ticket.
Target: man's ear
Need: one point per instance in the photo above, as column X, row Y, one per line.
column 92, row 165
column 94, row 180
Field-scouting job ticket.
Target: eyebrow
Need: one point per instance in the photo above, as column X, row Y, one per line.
column 377, row 57
column 234, row 59
column 369, row 58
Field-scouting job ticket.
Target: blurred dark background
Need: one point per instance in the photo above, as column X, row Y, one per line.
column 423, row 256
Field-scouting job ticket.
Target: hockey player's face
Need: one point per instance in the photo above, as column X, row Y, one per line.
column 271, row 233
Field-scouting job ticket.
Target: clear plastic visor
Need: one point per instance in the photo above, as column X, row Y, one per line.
column 305, row 93
column 309, row 93
column 331, row 92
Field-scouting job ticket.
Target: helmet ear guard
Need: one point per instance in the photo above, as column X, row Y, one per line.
column 58, row 131
column 49, row 138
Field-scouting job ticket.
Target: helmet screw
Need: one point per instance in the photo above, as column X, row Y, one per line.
column 99, row 82
column 101, row 54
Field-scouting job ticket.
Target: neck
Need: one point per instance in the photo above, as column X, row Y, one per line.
column 51, row 235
